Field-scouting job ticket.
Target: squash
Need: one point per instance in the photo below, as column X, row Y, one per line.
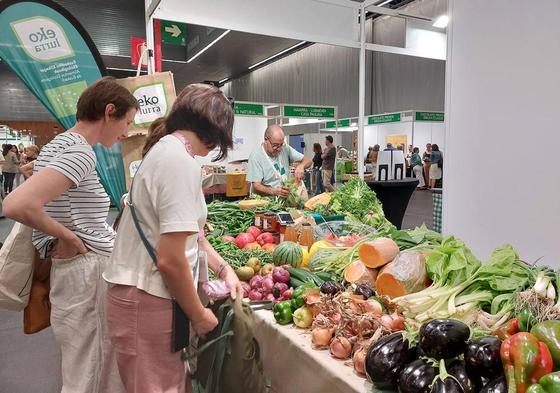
column 248, row 204
column 378, row 252
column 358, row 273
column 405, row 274
column 321, row 199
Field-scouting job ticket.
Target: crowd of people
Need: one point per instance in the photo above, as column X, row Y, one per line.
column 16, row 163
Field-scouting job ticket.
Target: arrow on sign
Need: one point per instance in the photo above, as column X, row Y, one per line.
column 174, row 30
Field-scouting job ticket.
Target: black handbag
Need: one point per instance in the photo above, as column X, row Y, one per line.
column 181, row 324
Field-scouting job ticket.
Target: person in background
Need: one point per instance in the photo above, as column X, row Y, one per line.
column 67, row 207
column 373, row 159
column 400, row 147
column 329, row 158
column 417, row 168
column 171, row 209
column 30, row 154
column 317, row 163
column 269, row 164
column 342, row 152
column 436, row 161
column 10, row 168
column 389, row 147
column 426, row 159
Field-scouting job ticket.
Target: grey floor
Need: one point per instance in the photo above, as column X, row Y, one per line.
column 31, row 363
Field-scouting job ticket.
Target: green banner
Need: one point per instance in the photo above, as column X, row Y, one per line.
column 248, row 109
column 341, row 123
column 429, row 116
column 310, row 112
column 52, row 54
column 379, row 119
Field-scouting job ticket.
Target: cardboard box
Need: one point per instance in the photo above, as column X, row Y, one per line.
column 236, row 185
column 131, row 149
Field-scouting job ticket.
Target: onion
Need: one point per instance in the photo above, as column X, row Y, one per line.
column 288, row 294
column 270, row 297
column 341, row 347
column 372, row 306
column 359, row 360
column 280, row 275
column 246, row 289
column 256, row 282
column 398, row 321
column 268, row 284
column 321, row 336
column 255, row 295
column 386, row 321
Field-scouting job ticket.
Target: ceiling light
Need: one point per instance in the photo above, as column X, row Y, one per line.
column 382, row 4
column 278, row 54
column 441, row 22
column 124, row 69
column 223, row 80
column 208, row 46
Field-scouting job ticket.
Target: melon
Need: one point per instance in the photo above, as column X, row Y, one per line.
column 305, row 257
column 318, row 245
column 288, row 253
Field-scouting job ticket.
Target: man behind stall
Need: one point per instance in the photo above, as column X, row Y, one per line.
column 269, row 164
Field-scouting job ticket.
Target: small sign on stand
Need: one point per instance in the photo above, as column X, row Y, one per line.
column 391, row 165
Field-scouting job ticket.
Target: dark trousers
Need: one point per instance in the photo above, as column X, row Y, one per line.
column 8, row 181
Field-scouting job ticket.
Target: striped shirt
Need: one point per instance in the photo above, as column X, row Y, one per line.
column 84, row 207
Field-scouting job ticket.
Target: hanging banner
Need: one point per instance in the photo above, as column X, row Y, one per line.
column 52, row 54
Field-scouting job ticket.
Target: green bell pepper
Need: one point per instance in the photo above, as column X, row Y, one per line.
column 526, row 320
column 283, row 312
column 297, row 296
column 549, row 333
column 548, row 384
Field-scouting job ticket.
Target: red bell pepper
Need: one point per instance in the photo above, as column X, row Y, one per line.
column 509, row 329
column 525, row 360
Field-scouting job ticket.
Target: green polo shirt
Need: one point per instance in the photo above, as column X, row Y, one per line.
column 271, row 170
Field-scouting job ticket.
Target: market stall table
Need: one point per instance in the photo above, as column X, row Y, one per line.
column 214, row 183
column 394, row 196
column 293, row 366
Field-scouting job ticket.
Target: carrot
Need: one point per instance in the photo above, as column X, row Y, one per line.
column 378, row 252
column 358, row 273
column 406, row 274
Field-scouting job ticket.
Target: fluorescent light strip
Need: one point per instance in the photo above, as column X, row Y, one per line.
column 223, row 80
column 123, row 69
column 382, row 4
column 278, row 54
column 208, row 46
column 441, row 22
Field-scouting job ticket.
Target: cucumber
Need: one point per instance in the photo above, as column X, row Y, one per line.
column 294, row 282
column 326, row 276
column 306, row 276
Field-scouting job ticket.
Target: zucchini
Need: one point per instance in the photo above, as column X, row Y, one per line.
column 306, row 276
column 294, row 282
column 326, row 276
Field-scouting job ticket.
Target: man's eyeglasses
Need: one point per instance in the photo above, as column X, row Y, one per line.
column 275, row 146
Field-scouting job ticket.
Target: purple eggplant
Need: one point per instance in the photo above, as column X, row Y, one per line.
column 483, row 357
column 417, row 377
column 444, row 338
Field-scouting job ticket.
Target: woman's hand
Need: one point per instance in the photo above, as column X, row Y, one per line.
column 205, row 323
column 232, row 281
column 69, row 246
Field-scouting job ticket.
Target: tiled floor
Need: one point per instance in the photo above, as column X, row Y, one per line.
column 31, row 363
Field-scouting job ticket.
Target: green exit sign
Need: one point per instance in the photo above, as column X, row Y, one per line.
column 379, row 119
column 173, row 32
column 341, row 123
column 310, row 112
column 248, row 109
column 429, row 116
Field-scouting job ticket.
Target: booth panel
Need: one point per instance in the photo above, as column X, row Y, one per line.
column 393, row 129
column 310, row 139
column 370, row 137
column 426, row 132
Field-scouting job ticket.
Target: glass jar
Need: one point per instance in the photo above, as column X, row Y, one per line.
column 306, row 237
column 269, row 222
column 259, row 217
column 282, row 231
column 291, row 234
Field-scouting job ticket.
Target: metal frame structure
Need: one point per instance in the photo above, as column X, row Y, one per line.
column 332, row 22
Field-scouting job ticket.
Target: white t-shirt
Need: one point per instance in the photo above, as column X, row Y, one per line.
column 167, row 195
column 84, row 207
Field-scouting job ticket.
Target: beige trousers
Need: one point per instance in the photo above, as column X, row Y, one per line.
column 79, row 324
column 327, row 177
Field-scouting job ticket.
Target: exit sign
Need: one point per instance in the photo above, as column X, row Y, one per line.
column 173, row 32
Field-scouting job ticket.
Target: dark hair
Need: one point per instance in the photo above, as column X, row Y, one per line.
column 329, row 138
column 376, row 148
column 93, row 101
column 317, row 148
column 6, row 149
column 435, row 147
column 202, row 109
column 416, row 150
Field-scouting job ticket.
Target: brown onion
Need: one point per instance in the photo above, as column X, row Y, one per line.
column 386, row 321
column 359, row 360
column 341, row 348
column 321, row 336
column 398, row 321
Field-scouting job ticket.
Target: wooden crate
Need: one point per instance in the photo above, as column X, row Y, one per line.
column 236, row 185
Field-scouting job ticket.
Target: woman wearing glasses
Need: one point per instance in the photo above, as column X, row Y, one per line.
column 269, row 164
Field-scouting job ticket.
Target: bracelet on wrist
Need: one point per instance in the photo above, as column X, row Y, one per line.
column 221, row 269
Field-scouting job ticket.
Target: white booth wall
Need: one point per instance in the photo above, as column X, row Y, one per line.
column 502, row 105
column 248, row 134
column 319, row 138
column 429, row 132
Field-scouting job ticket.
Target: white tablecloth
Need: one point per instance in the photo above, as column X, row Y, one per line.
column 213, row 179
column 295, row 367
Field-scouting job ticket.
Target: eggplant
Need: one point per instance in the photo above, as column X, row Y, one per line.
column 483, row 357
column 331, row 288
column 386, row 358
column 364, row 290
column 471, row 383
column 496, row 385
column 417, row 377
column 447, row 385
column 444, row 338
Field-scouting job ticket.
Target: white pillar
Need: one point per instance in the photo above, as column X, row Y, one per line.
column 362, row 92
column 501, row 164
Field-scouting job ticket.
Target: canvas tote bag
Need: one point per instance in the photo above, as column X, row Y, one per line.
column 16, row 268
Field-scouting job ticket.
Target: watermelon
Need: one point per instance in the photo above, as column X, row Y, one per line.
column 288, row 253
column 317, row 260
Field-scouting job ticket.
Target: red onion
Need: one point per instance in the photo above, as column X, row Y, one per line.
column 268, row 284
column 256, row 282
column 255, row 295
column 280, row 275
column 246, row 289
column 278, row 289
column 270, row 297
column 287, row 295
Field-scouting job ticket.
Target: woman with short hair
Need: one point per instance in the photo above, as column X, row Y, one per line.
column 436, row 161
column 171, row 212
column 67, row 207
column 317, row 164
